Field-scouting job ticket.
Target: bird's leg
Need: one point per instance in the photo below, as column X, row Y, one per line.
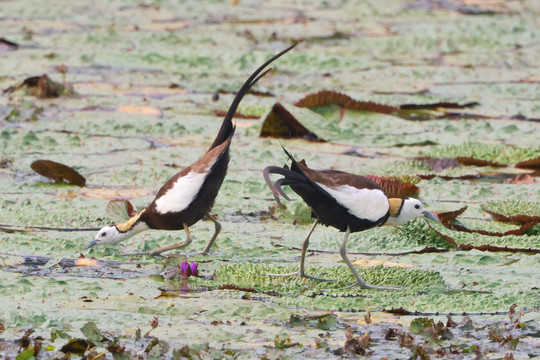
column 300, row 273
column 216, row 233
column 166, row 248
column 359, row 280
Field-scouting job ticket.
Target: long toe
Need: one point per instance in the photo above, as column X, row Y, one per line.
column 316, row 278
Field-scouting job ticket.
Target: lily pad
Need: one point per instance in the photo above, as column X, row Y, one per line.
column 120, row 210
column 480, row 154
column 329, row 97
column 58, row 172
column 491, row 228
column 395, row 187
column 281, row 123
column 43, row 87
column 514, row 211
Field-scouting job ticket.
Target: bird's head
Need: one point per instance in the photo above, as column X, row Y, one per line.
column 404, row 210
column 107, row 235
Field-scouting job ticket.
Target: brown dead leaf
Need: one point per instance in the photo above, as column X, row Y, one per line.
column 448, row 217
column 523, row 179
column 155, row 322
column 77, row 346
column 58, row 172
column 477, row 162
column 145, row 110
column 354, row 344
column 236, row 115
column 448, row 220
column 367, row 317
column 395, row 187
column 438, row 105
column 420, row 353
column 529, row 164
column 280, row 123
column 43, row 87
column 328, row 97
column 86, row 262
column 6, row 45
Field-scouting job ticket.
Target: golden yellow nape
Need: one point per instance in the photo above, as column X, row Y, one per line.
column 129, row 224
column 395, row 206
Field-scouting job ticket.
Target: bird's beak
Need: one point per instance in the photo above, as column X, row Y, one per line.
column 431, row 216
column 90, row 244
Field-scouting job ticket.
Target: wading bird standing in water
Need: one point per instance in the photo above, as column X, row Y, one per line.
column 188, row 196
column 348, row 202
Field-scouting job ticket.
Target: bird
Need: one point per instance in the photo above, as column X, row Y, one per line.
column 188, row 196
column 345, row 201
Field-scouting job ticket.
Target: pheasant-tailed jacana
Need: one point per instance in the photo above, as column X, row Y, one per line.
column 188, row 196
column 348, row 202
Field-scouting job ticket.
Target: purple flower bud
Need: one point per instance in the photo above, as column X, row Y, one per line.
column 193, row 268
column 185, row 268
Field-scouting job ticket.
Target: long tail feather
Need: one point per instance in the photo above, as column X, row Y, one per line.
column 227, row 127
column 275, row 187
column 278, row 185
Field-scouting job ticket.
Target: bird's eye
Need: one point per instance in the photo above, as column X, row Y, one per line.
column 103, row 234
column 417, row 206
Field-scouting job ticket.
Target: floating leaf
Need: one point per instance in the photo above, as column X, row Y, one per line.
column 444, row 105
column 280, row 123
column 120, row 210
column 354, row 344
column 77, row 346
column 523, row 179
column 145, row 110
column 236, row 115
column 84, row 261
column 394, row 187
column 419, row 325
column 91, row 332
column 448, row 219
column 43, row 87
column 405, row 111
column 26, row 355
column 480, row 154
column 327, row 97
column 440, row 164
column 374, row 262
column 6, row 45
column 253, row 276
column 327, row 322
column 506, row 243
column 514, row 211
column 58, row 172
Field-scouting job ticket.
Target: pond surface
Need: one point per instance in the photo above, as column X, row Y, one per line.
column 147, row 80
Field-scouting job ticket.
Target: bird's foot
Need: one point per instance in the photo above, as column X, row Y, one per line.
column 300, row 274
column 376, row 287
